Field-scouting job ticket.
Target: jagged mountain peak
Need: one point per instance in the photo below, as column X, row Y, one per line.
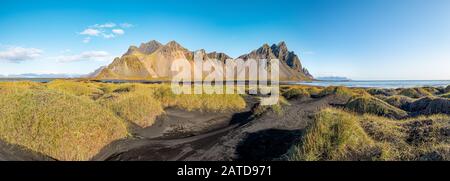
column 145, row 48
column 173, row 43
column 131, row 50
column 153, row 42
column 149, row 47
column 265, row 46
column 219, row 56
column 173, row 46
column 280, row 47
column 282, row 44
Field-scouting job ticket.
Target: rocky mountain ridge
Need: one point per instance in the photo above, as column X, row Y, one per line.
column 152, row 60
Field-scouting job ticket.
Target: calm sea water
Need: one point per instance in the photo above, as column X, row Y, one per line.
column 380, row 83
column 353, row 83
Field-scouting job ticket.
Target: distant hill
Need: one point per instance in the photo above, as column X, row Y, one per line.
column 152, row 60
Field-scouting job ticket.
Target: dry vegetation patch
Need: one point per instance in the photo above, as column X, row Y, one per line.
column 57, row 124
column 141, row 109
column 340, row 135
column 372, row 105
column 399, row 101
column 415, row 92
column 76, row 88
column 334, row 135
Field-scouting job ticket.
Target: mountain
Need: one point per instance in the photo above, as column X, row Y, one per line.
column 153, row 60
column 145, row 48
column 290, row 67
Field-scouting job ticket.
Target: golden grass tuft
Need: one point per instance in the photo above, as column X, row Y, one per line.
column 198, row 102
column 141, row 109
column 210, row 102
column 75, row 87
column 372, row 105
column 340, row 135
column 446, row 95
column 415, row 92
column 335, row 135
column 398, row 101
column 60, row 125
column 275, row 108
column 294, row 93
column 311, row 90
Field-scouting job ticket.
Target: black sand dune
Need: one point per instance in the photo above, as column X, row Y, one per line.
column 10, row 152
column 230, row 142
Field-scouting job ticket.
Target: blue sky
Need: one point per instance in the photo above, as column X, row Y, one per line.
column 360, row 39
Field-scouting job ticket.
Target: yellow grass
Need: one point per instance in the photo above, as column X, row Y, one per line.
column 60, row 125
column 333, row 136
column 74, row 119
column 446, row 95
column 340, row 135
column 75, row 87
column 373, row 105
column 8, row 87
column 415, row 92
column 141, row 109
column 199, row 102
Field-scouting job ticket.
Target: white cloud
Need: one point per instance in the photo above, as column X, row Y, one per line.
column 84, row 56
column 106, row 31
column 118, row 31
column 91, row 32
column 19, row 54
column 126, row 25
column 106, row 25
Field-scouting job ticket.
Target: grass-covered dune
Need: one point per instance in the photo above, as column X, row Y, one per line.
column 399, row 101
column 430, row 105
column 373, row 105
column 339, row 135
column 56, row 124
column 415, row 92
column 376, row 124
column 74, row 119
column 446, row 95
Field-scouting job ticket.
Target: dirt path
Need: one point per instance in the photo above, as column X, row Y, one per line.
column 264, row 138
column 267, row 137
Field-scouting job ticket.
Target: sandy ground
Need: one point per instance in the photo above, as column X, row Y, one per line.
column 177, row 123
column 9, row 152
